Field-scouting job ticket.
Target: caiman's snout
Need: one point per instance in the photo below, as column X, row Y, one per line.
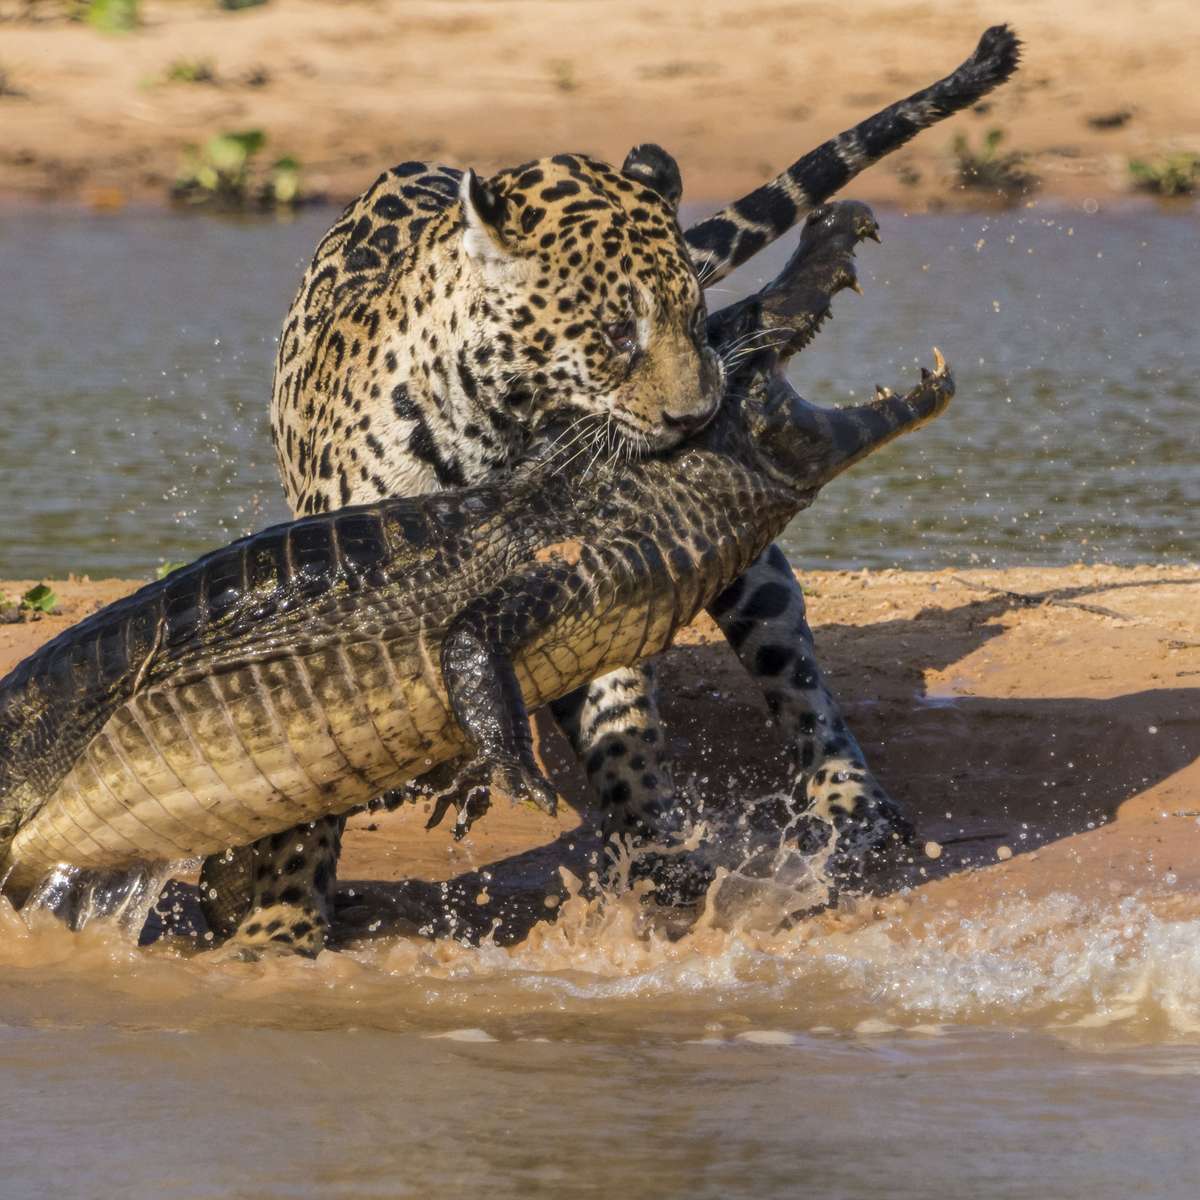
column 809, row 445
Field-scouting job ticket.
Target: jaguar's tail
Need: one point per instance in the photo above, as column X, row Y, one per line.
column 727, row 239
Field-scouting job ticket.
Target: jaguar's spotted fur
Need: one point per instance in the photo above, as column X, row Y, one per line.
column 443, row 317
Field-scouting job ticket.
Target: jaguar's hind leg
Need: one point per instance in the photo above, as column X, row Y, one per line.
column 763, row 617
column 277, row 893
column 614, row 727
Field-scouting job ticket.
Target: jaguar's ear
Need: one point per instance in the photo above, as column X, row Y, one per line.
column 653, row 166
column 484, row 210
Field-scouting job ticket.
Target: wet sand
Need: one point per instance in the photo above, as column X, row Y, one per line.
column 1041, row 726
column 735, row 90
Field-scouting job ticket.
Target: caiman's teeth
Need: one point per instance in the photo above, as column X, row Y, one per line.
column 883, row 393
column 939, row 362
column 856, row 287
column 873, row 234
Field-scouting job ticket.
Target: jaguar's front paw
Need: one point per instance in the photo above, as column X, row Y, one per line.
column 679, row 879
column 869, row 830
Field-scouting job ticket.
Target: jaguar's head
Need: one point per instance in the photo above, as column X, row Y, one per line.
column 588, row 300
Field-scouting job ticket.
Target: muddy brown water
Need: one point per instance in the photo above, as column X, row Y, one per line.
column 1044, row 1046
column 1040, row 1050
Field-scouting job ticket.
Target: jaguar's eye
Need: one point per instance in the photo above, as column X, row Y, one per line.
column 623, row 336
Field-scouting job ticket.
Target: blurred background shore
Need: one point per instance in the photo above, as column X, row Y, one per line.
column 100, row 101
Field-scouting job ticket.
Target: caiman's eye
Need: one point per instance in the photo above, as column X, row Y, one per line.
column 623, row 335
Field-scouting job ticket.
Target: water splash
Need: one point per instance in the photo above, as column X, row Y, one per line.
column 80, row 897
column 922, row 960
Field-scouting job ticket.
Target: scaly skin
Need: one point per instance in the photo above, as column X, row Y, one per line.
column 306, row 669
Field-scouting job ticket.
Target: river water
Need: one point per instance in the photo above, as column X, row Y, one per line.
column 137, row 353
column 1043, row 1048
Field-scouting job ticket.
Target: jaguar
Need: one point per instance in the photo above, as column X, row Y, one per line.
column 445, row 318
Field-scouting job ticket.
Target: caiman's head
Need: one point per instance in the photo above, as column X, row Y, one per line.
column 800, row 444
column 591, row 304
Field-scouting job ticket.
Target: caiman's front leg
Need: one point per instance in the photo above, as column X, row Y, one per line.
column 762, row 615
column 485, row 697
column 282, row 885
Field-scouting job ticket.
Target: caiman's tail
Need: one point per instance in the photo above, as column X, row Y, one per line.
column 727, row 239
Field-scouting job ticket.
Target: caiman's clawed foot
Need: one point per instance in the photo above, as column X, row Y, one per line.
column 471, row 790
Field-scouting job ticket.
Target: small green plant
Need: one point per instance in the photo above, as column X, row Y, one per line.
column 283, row 183
column 39, row 599
column 166, row 567
column 191, row 70
column 1171, row 175
column 987, row 169
column 222, row 166
column 112, row 16
column 234, row 5
column 223, row 174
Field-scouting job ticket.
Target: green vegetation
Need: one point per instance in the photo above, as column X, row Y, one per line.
column 223, row 173
column 987, row 169
column 165, row 568
column 283, row 183
column 37, row 603
column 39, row 599
column 1171, row 175
column 234, row 5
column 191, row 70
column 112, row 16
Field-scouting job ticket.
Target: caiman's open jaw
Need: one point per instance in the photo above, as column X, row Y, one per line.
column 785, row 319
column 825, row 260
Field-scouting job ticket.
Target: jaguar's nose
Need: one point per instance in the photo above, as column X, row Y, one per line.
column 690, row 423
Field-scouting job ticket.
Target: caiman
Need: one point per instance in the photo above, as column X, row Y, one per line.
column 305, row 669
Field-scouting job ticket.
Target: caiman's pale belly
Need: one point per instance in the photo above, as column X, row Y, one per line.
column 187, row 770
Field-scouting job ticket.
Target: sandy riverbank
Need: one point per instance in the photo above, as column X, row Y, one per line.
column 735, row 90
column 1053, row 713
